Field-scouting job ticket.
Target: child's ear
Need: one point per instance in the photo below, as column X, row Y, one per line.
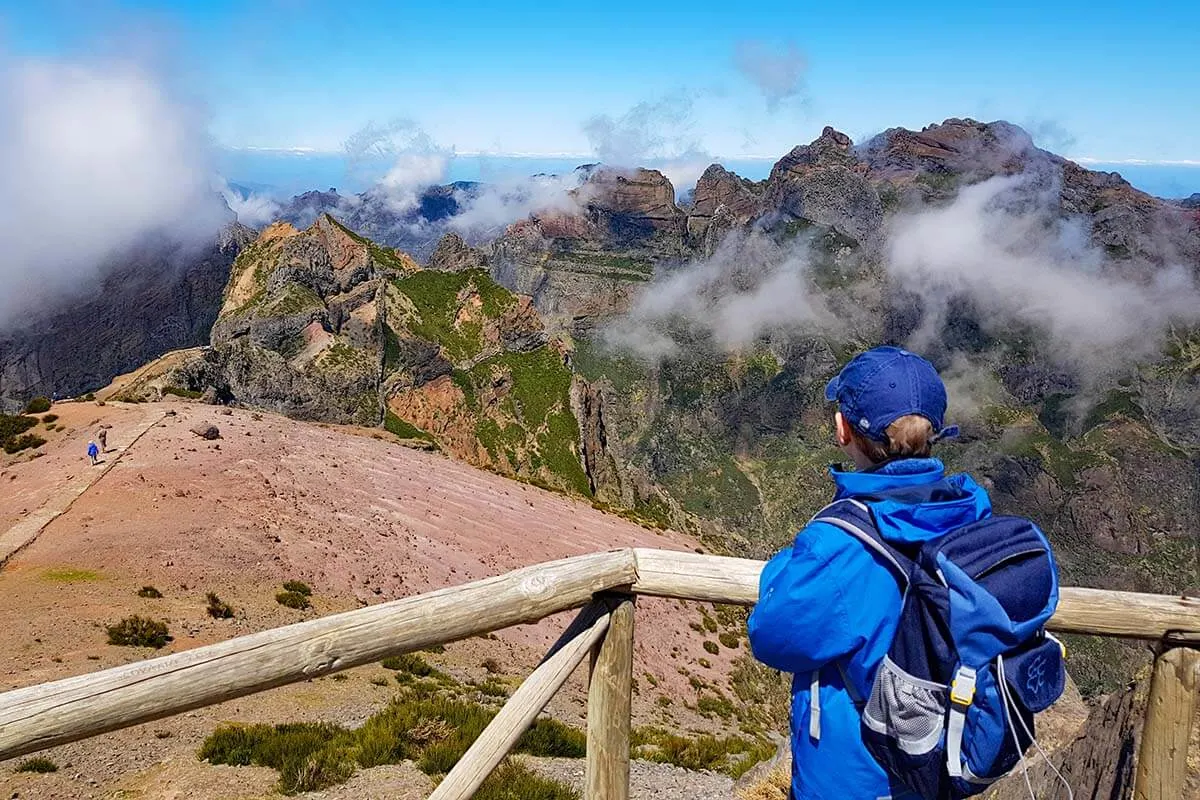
column 841, row 429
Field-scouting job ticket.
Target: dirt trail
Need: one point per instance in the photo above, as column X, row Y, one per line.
column 123, row 434
column 356, row 516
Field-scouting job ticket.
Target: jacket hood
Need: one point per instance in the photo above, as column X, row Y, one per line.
column 913, row 500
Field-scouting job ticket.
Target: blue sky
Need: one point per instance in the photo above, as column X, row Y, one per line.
column 1109, row 83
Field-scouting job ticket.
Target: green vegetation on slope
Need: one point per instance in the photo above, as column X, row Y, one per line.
column 431, row 730
column 438, row 300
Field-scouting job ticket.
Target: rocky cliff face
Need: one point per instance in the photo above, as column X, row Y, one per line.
column 157, row 298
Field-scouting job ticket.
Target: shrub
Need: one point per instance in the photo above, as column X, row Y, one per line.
column 492, row 688
column 491, row 665
column 216, row 607
column 730, row 640
column 511, row 781
column 294, row 600
column 377, row 681
column 411, row 663
column 90, row 396
column 549, row 737
column 711, row 647
column 710, row 624
column 187, row 394
column 37, row 764
column 50, row 418
column 149, row 591
column 299, row 587
column 38, row 405
column 50, row 426
column 138, row 631
column 432, row 731
column 25, row 442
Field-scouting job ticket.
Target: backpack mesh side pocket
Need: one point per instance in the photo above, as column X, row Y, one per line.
column 906, row 709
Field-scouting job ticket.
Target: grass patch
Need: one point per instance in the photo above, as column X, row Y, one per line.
column 412, row 665
column 299, row 587
column 294, row 600
column 216, row 607
column 50, row 418
column 138, row 631
column 37, row 764
column 178, row 391
column 711, row 647
column 729, row 755
column 512, row 781
column 405, row 430
column 150, row 592
column 729, row 639
column 70, row 575
column 28, row 441
column 432, row 731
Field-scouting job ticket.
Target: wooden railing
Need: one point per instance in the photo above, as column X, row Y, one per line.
column 604, row 586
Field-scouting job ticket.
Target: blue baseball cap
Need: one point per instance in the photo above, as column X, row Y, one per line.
column 883, row 384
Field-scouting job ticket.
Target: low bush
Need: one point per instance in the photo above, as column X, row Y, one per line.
column 216, row 607
column 138, row 631
column 299, row 587
column 730, row 640
column 149, row 591
column 432, row 731
column 37, row 764
column 50, row 418
column 411, row 663
column 491, row 665
column 512, row 781
column 25, row 442
column 711, row 647
column 294, row 600
column 38, row 405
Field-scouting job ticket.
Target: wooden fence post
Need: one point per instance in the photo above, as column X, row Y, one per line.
column 1162, row 762
column 502, row 733
column 610, row 698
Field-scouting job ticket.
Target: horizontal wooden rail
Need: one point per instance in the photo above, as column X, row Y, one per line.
column 716, row 579
column 41, row 716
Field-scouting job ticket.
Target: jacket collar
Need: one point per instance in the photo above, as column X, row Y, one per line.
column 889, row 475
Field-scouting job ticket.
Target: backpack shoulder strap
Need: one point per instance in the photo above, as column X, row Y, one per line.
column 854, row 517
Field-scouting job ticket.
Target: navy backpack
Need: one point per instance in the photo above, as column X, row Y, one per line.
column 951, row 707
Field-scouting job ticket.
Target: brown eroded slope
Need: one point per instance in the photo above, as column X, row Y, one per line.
column 358, row 517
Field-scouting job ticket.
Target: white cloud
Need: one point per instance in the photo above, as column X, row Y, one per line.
column 252, row 209
column 93, row 157
column 777, row 72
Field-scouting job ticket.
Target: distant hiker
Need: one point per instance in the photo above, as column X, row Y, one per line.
column 102, row 435
column 93, row 452
column 911, row 616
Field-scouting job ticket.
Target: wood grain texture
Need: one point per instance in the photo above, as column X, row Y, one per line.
column 715, row 579
column 502, row 733
column 1163, row 759
column 610, row 698
column 41, row 716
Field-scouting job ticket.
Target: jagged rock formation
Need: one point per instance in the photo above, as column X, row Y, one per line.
column 159, row 297
column 721, row 190
column 454, row 254
column 1191, row 202
column 323, row 324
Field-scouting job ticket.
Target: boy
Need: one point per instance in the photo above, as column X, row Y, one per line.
column 828, row 606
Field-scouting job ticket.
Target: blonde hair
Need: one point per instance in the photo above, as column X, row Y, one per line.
column 907, row 437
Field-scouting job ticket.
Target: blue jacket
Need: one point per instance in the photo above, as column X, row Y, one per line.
column 828, row 600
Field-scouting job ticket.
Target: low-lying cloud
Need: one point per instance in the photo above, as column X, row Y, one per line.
column 654, row 133
column 94, row 156
column 1001, row 247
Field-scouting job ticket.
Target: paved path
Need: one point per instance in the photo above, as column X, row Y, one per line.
column 21, row 534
